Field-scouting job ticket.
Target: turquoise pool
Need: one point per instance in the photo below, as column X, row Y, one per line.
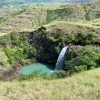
column 27, row 70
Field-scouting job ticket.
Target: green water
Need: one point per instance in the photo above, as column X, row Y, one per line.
column 27, row 70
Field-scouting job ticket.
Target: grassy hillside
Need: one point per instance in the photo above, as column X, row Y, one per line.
column 36, row 15
column 82, row 86
column 4, row 65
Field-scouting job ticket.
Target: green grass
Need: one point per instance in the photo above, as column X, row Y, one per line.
column 82, row 86
column 26, row 19
column 4, row 64
column 92, row 24
column 69, row 27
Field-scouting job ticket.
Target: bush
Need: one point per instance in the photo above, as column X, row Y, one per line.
column 18, row 40
column 15, row 55
column 98, row 14
column 4, row 40
column 21, row 48
column 85, row 59
column 59, row 74
column 19, row 55
column 15, row 39
column 80, row 68
column 70, row 38
column 84, row 38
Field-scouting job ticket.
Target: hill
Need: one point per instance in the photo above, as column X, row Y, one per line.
column 82, row 86
column 5, row 4
column 8, row 4
column 30, row 17
column 59, row 1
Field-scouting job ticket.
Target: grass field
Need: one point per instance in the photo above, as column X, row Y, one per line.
column 82, row 86
column 4, row 65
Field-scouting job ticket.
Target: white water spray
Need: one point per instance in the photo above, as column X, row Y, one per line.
column 61, row 58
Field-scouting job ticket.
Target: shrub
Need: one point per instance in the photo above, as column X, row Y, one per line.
column 59, row 74
column 15, row 39
column 15, row 55
column 80, row 68
column 84, row 38
column 70, row 38
column 4, row 40
column 98, row 14
column 86, row 58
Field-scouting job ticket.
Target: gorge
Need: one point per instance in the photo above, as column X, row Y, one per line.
column 37, row 33
column 39, row 67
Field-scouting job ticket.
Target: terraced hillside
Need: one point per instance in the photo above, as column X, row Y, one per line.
column 32, row 17
column 37, row 15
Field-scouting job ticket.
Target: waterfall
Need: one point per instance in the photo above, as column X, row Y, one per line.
column 61, row 58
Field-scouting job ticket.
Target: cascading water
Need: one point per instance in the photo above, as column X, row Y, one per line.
column 61, row 58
